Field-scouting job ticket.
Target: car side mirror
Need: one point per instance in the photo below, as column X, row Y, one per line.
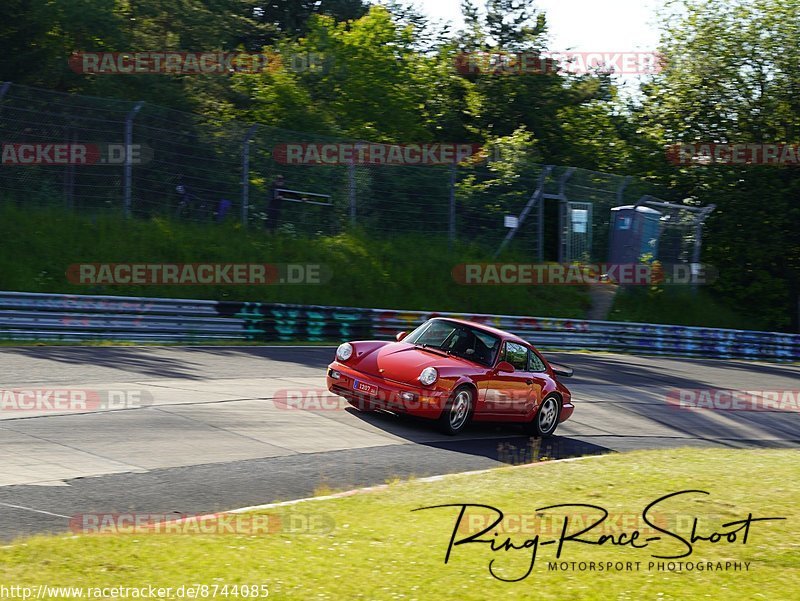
column 504, row 367
column 562, row 370
column 400, row 336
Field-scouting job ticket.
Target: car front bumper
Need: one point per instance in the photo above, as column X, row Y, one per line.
column 421, row 401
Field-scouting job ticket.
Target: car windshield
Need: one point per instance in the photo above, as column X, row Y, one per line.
column 456, row 339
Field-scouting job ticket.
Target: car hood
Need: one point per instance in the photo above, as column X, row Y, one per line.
column 403, row 362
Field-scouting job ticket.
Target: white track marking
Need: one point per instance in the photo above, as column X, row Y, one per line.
column 58, row 515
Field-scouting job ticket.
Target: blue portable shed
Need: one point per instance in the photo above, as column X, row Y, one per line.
column 634, row 232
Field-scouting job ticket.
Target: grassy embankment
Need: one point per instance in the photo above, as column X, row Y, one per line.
column 403, row 272
column 408, row 272
column 374, row 546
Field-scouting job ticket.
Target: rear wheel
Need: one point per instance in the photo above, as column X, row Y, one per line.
column 545, row 421
column 457, row 411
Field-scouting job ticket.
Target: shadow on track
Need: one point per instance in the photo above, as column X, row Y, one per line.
column 190, row 362
column 505, row 443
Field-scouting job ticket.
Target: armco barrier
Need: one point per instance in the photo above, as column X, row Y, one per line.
column 53, row 317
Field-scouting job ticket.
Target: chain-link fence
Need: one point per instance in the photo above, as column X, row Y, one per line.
column 97, row 154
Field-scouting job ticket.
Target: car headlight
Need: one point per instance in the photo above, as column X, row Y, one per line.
column 428, row 376
column 344, row 352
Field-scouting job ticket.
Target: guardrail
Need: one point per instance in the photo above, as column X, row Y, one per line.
column 61, row 317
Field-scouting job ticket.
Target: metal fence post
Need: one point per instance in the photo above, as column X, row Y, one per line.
column 3, row 89
column 246, row 173
column 698, row 240
column 698, row 236
column 69, row 176
column 537, row 196
column 351, row 189
column 451, row 235
column 126, row 191
column 540, row 232
column 621, row 190
column 565, row 225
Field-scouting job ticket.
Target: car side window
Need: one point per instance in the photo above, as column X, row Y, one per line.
column 535, row 363
column 516, row 355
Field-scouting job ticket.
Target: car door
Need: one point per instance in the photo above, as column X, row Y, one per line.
column 537, row 374
column 509, row 395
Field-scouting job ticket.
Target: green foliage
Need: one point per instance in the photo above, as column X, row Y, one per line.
column 731, row 76
column 386, row 74
column 681, row 305
column 408, row 272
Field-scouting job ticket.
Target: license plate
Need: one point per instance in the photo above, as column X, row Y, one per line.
column 364, row 387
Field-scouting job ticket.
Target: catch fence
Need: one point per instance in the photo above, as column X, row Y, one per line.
column 151, row 161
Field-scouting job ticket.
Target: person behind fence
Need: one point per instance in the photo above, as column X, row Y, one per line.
column 274, row 203
column 223, row 207
column 184, row 195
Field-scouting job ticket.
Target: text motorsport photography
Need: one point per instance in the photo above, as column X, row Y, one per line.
column 674, row 537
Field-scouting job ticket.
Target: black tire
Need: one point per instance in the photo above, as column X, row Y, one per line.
column 545, row 420
column 458, row 411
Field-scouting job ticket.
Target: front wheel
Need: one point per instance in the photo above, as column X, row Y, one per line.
column 545, row 421
column 456, row 412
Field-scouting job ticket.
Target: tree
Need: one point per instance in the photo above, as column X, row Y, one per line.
column 732, row 75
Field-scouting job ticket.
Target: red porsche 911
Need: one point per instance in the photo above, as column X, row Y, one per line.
column 454, row 371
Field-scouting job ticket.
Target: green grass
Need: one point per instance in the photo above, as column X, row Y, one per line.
column 403, row 272
column 378, row 548
column 679, row 305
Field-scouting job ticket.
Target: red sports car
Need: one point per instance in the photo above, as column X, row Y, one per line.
column 454, row 371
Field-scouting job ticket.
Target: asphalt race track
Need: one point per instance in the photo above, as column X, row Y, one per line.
column 215, row 435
